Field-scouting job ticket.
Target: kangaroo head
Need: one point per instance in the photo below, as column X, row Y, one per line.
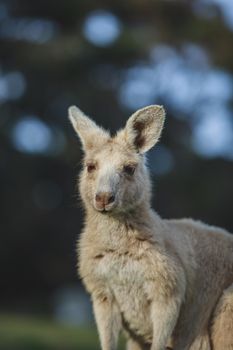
column 114, row 176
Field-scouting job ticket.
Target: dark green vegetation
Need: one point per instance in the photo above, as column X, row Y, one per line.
column 37, row 334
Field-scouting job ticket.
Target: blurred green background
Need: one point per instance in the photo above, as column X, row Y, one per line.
column 109, row 58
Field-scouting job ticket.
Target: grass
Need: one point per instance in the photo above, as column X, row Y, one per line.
column 27, row 333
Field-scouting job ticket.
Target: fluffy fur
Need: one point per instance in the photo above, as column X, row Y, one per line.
column 166, row 283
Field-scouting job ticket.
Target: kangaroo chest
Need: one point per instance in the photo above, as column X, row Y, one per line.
column 126, row 278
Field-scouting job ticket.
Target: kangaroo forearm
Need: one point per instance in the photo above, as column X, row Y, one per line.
column 108, row 323
column 164, row 320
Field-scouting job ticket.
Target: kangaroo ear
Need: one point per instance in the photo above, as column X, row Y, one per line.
column 144, row 127
column 89, row 133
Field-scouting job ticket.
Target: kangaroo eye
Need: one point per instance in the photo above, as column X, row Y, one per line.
column 91, row 168
column 129, row 169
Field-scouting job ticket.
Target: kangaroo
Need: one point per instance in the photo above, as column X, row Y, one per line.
column 168, row 284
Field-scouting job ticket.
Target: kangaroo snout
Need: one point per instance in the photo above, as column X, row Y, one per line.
column 103, row 199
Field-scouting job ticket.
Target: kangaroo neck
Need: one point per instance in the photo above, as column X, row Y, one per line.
column 140, row 223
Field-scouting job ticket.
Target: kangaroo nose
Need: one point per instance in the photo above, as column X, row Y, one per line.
column 104, row 198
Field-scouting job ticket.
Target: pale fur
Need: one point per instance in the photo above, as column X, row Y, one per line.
column 164, row 282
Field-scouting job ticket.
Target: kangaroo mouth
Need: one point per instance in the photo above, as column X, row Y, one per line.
column 106, row 208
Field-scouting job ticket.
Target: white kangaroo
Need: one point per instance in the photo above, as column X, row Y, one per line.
column 166, row 283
